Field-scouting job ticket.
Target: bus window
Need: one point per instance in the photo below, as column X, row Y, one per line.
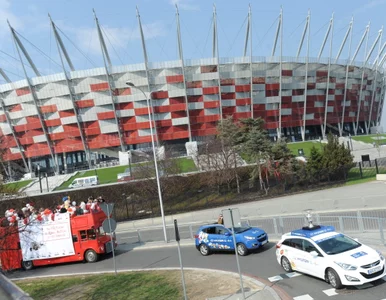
column 74, row 238
column 83, row 235
column 91, row 234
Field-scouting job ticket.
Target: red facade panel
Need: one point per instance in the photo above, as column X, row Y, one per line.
column 106, row 115
column 210, row 90
column 286, row 72
column 23, row 91
column 211, row 104
column 85, row 103
column 53, row 123
column 243, row 102
column 243, row 88
column 3, row 118
column 174, row 79
column 48, row 108
column 98, row 87
column 160, row 95
column 193, row 84
column 228, row 81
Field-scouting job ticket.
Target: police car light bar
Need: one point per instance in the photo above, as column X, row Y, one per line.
column 308, row 233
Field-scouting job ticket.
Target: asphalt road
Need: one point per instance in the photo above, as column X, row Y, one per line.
column 261, row 263
column 371, row 226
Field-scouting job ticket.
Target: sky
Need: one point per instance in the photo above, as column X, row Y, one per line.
column 119, row 24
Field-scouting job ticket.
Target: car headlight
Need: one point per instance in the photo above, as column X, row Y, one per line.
column 346, row 267
column 381, row 256
column 250, row 237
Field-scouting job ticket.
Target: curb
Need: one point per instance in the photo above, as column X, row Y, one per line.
column 276, row 292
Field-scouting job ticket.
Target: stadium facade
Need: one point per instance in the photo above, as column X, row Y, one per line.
column 48, row 119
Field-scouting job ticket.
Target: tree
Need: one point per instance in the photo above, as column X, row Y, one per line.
column 230, row 137
column 335, row 155
column 315, row 161
column 282, row 157
column 256, row 144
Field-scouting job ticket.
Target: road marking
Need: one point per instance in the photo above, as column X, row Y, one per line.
column 284, row 276
column 293, row 274
column 330, row 292
column 304, row 297
column 275, row 278
column 129, row 237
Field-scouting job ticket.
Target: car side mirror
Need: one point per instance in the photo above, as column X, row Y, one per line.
column 228, row 233
column 314, row 254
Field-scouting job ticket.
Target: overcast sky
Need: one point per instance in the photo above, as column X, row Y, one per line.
column 118, row 19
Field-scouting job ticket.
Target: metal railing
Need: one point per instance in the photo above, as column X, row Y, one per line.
column 369, row 230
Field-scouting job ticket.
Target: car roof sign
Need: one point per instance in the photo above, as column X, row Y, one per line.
column 308, row 232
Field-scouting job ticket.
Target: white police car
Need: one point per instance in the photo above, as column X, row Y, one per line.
column 322, row 252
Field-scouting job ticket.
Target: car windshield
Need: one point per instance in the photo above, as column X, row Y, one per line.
column 337, row 244
column 241, row 229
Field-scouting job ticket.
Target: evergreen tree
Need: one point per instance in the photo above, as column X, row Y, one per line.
column 315, row 161
column 335, row 155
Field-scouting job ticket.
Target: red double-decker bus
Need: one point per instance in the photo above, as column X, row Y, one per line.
column 88, row 239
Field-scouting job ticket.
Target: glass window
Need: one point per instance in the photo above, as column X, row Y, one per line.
column 309, row 247
column 220, row 230
column 83, row 235
column 296, row 243
column 91, row 234
column 210, row 230
column 74, row 238
column 337, row 244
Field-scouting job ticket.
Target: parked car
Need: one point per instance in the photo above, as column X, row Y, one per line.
column 217, row 237
column 322, row 252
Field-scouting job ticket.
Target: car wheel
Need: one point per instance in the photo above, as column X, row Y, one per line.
column 27, row 265
column 204, row 250
column 286, row 265
column 333, row 279
column 91, row 256
column 241, row 249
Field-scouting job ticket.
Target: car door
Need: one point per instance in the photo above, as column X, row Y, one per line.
column 224, row 238
column 295, row 254
column 317, row 264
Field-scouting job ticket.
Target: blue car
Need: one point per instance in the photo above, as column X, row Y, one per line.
column 216, row 237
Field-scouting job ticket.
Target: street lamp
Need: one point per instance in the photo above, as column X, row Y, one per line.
column 131, row 84
column 40, row 179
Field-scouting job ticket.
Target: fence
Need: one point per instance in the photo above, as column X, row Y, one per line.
column 369, row 230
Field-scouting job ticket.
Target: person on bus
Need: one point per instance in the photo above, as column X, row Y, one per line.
column 220, row 219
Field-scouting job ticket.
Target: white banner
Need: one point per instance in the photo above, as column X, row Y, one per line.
column 46, row 239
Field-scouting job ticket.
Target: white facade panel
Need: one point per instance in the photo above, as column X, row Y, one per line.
column 194, row 91
column 5, row 128
column 108, row 126
column 228, row 103
column 212, row 111
column 246, row 108
column 196, row 105
column 102, row 100
column 144, row 132
column 228, row 89
column 180, row 121
column 68, row 120
column 162, row 116
column 176, row 93
column 125, row 113
column 39, row 138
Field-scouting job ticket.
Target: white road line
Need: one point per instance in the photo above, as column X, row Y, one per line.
column 330, row 292
column 293, row 274
column 275, row 278
column 304, row 297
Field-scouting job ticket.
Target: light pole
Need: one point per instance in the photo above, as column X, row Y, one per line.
column 131, row 84
column 40, row 179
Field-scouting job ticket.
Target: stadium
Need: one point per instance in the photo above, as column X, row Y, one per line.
column 65, row 118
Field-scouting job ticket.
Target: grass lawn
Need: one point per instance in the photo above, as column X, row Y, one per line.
column 306, row 146
column 135, row 285
column 15, row 186
column 371, row 138
column 109, row 175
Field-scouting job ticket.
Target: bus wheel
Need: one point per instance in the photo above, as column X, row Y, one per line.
column 27, row 265
column 91, row 256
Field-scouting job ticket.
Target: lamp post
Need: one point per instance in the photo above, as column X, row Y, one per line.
column 131, row 84
column 40, row 179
